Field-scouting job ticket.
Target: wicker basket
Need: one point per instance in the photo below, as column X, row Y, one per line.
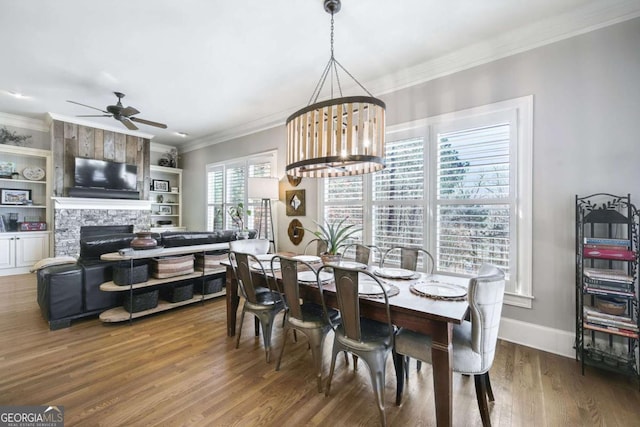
column 211, row 286
column 125, row 275
column 177, row 293
column 172, row 266
column 140, row 301
column 211, row 260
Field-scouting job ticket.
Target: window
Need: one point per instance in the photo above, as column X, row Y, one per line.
column 458, row 185
column 226, row 187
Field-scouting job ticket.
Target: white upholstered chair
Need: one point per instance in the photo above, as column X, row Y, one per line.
column 474, row 341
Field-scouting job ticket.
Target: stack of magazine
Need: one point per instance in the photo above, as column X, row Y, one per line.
column 608, row 282
column 599, row 321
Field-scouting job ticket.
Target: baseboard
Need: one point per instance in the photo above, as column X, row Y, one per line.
column 539, row 337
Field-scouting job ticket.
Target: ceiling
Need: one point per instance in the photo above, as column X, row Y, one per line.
column 217, row 69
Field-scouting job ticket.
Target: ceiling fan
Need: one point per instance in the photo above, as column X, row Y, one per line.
column 122, row 114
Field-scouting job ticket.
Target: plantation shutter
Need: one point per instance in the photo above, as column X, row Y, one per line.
column 475, row 202
column 398, row 196
column 215, row 198
column 343, row 199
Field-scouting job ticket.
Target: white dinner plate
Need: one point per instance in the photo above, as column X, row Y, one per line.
column 264, row 257
column 266, row 265
column 368, row 286
column 394, row 273
column 349, row 264
column 440, row 290
column 307, row 258
column 310, row 276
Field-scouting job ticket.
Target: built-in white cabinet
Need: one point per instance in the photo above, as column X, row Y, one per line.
column 25, row 207
column 19, row 251
column 166, row 199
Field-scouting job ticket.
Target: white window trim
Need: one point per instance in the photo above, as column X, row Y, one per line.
column 523, row 108
column 272, row 155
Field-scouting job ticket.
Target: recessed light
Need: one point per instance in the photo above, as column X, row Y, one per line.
column 182, row 134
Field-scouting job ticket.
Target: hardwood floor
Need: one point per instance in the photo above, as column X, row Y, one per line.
column 179, row 368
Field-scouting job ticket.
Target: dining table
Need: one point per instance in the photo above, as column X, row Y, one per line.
column 409, row 309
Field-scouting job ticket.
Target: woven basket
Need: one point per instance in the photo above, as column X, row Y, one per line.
column 125, row 275
column 172, row 266
column 210, row 260
column 177, row 293
column 140, row 301
column 211, row 286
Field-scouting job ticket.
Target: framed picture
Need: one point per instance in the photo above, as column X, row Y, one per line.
column 164, row 210
column 159, row 185
column 14, row 196
column 295, row 203
column 6, row 169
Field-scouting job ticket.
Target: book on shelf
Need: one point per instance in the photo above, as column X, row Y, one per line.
column 608, row 242
column 593, row 311
column 609, row 284
column 611, row 330
column 608, row 274
column 609, row 292
column 615, row 254
column 607, row 322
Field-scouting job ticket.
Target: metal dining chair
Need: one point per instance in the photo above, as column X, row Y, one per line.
column 474, row 341
column 310, row 318
column 370, row 340
column 409, row 261
column 363, row 253
column 320, row 245
column 264, row 305
column 409, row 258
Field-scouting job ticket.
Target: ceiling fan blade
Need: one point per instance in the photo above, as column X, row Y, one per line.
column 148, row 122
column 125, row 121
column 88, row 106
column 96, row 115
column 129, row 111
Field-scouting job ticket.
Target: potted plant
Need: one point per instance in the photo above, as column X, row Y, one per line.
column 237, row 213
column 336, row 234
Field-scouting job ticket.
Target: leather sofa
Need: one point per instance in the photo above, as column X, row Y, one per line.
column 72, row 291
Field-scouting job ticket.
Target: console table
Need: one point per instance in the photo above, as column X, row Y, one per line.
column 119, row 314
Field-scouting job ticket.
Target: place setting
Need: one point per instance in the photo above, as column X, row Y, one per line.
column 395, row 273
column 369, row 288
column 439, row 290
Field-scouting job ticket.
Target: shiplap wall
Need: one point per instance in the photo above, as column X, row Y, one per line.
column 71, row 140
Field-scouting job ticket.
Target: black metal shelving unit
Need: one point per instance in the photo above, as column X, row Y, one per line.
column 607, row 274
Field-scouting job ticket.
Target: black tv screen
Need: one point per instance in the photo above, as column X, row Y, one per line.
column 91, row 173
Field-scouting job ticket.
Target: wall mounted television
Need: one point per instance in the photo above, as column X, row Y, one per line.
column 92, row 173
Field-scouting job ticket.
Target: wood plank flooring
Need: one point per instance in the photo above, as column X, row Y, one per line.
column 179, row 368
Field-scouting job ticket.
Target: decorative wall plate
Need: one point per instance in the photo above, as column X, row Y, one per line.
column 295, row 232
column 33, row 173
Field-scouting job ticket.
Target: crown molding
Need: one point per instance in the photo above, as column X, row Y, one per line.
column 23, row 122
column 583, row 20
column 54, row 116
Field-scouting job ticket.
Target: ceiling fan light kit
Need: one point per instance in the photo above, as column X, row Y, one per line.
column 338, row 137
column 124, row 115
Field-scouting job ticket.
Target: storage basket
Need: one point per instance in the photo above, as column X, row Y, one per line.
column 210, row 260
column 172, row 266
column 140, row 301
column 177, row 293
column 124, row 275
column 211, row 286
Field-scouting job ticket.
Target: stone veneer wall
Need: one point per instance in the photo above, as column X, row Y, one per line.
column 68, row 222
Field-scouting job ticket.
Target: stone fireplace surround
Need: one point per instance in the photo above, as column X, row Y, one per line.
column 71, row 213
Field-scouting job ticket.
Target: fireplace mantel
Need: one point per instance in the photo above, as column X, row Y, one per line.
column 92, row 203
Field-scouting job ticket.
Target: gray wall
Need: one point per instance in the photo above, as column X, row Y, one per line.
column 586, row 118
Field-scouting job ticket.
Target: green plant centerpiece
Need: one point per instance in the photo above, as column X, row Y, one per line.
column 336, row 234
column 237, row 213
